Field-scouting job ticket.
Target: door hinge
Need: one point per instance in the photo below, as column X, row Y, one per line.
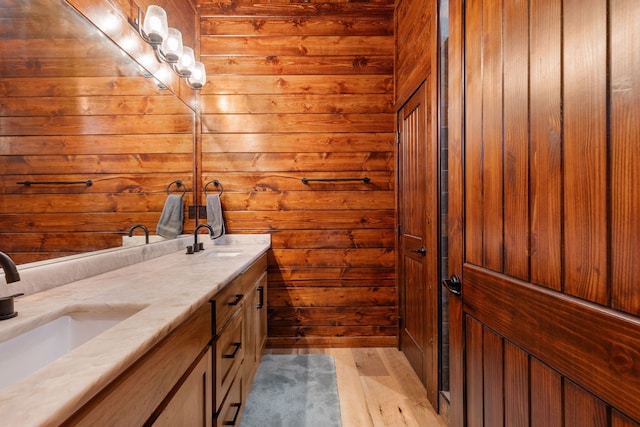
column 399, row 230
column 397, row 137
column 399, row 323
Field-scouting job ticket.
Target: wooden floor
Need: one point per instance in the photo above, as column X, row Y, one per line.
column 377, row 387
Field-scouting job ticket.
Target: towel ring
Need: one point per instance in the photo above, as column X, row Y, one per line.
column 216, row 183
column 179, row 184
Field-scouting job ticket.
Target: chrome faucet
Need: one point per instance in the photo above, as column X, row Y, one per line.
column 199, row 246
column 146, row 232
column 9, row 267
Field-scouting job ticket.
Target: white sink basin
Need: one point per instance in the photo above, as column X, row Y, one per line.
column 218, row 253
column 36, row 348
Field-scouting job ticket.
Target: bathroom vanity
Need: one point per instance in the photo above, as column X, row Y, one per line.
column 182, row 350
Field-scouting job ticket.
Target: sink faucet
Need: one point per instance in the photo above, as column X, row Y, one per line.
column 199, row 247
column 10, row 269
column 146, row 232
column 11, row 274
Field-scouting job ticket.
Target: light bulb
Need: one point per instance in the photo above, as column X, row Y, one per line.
column 186, row 62
column 155, row 24
column 172, row 45
column 198, row 76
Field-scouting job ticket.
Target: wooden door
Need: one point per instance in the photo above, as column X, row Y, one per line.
column 418, row 248
column 544, row 208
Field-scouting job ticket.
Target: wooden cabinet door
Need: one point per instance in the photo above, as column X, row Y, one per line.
column 250, row 332
column 191, row 405
column 255, row 329
column 261, row 336
column 418, row 245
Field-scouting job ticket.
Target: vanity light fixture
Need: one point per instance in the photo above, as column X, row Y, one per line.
column 171, row 47
column 185, row 65
column 155, row 25
column 198, row 76
column 168, row 47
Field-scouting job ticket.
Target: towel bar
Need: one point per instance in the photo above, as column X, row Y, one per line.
column 88, row 183
column 366, row 179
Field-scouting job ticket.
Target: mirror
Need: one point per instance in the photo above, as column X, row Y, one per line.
column 89, row 142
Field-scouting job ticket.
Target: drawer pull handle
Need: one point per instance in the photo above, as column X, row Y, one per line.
column 237, row 346
column 237, row 300
column 235, row 417
column 261, row 293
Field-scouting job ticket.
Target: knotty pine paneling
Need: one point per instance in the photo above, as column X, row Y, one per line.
column 341, row 24
column 301, row 162
column 309, row 220
column 306, row 45
column 306, row 90
column 287, row 318
column 296, row 13
column 73, row 108
column 295, row 84
column 290, row 200
column 363, row 238
column 329, row 103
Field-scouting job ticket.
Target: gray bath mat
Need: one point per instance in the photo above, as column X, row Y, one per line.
column 294, row 391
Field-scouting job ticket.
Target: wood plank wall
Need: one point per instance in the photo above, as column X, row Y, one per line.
column 73, row 108
column 306, row 90
column 551, row 182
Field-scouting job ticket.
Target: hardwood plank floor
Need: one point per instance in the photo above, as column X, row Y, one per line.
column 377, row 387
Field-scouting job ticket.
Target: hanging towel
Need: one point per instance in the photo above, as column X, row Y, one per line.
column 170, row 223
column 214, row 215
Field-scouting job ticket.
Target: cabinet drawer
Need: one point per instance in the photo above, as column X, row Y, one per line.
column 225, row 303
column 229, row 356
column 231, row 408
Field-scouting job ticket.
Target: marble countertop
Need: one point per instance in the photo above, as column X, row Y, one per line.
column 166, row 290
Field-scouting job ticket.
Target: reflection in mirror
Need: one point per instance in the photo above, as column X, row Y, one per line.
column 98, row 140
